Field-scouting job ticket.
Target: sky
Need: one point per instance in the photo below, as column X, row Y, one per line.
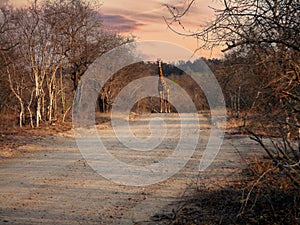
column 144, row 20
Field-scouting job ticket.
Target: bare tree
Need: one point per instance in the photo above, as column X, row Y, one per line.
column 84, row 38
column 265, row 36
column 244, row 23
column 53, row 43
column 13, row 73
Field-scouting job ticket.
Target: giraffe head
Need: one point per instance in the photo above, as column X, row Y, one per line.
column 159, row 62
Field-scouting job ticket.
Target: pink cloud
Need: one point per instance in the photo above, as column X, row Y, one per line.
column 120, row 23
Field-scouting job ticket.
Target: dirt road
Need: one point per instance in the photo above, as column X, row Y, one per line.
column 53, row 184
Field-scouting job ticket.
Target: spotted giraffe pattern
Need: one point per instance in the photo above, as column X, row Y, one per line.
column 163, row 90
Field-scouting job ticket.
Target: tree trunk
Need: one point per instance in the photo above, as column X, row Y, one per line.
column 38, row 100
column 21, row 115
column 38, row 112
column 62, row 92
column 17, row 93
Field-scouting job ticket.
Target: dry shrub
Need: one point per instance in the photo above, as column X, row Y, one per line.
column 269, row 196
column 263, row 196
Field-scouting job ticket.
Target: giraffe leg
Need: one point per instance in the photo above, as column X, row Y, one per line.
column 164, row 103
column 168, row 102
column 161, row 101
column 166, row 106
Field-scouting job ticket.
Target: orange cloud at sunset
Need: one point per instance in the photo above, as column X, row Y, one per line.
column 144, row 20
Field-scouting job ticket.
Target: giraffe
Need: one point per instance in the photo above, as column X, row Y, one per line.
column 163, row 90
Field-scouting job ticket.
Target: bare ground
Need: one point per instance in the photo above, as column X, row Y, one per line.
column 51, row 183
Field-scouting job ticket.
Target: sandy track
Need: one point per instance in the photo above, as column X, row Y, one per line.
column 53, row 184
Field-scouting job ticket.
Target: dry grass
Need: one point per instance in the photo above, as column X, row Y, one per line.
column 259, row 198
column 12, row 136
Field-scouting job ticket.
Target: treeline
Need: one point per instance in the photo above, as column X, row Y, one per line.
column 263, row 81
column 174, row 76
column 260, row 86
column 45, row 49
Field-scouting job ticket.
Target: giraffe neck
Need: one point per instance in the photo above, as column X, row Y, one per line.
column 162, row 83
column 161, row 76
